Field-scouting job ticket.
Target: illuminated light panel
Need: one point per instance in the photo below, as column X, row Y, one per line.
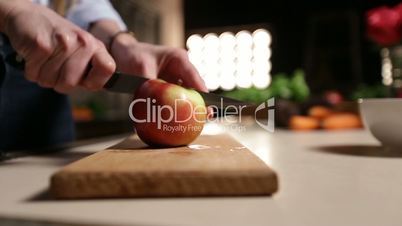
column 231, row 60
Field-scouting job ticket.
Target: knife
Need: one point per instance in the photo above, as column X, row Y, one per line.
column 125, row 83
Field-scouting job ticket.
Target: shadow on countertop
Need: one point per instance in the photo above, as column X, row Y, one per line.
column 360, row 150
column 20, row 221
column 62, row 154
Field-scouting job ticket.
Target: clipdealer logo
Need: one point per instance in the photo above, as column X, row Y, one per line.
column 270, row 124
column 232, row 114
column 157, row 113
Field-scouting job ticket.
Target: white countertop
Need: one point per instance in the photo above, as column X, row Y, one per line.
column 326, row 178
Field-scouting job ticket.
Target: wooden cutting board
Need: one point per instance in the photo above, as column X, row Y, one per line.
column 211, row 166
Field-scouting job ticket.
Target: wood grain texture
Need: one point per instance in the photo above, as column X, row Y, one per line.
column 210, row 166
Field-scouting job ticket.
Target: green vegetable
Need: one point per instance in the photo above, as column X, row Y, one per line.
column 294, row 88
column 367, row 91
column 299, row 86
column 281, row 86
column 252, row 95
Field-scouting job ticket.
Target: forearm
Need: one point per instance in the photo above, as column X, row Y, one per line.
column 104, row 30
column 108, row 32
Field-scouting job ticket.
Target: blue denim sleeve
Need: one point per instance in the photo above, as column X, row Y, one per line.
column 85, row 12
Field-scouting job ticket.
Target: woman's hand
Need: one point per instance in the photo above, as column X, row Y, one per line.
column 56, row 52
column 151, row 61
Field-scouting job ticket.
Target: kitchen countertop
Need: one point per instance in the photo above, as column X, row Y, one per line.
column 325, row 178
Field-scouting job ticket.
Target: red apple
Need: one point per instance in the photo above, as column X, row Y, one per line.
column 166, row 114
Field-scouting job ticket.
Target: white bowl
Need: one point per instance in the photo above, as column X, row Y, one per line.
column 383, row 117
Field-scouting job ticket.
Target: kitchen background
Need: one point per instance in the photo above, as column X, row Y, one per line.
column 298, row 51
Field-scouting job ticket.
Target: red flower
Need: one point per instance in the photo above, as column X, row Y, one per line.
column 384, row 25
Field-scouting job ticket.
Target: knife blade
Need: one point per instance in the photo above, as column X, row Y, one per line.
column 125, row 83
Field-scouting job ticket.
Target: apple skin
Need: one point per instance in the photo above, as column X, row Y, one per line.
column 154, row 132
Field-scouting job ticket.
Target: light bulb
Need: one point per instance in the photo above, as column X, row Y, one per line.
column 261, row 37
column 195, row 42
column 244, row 38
